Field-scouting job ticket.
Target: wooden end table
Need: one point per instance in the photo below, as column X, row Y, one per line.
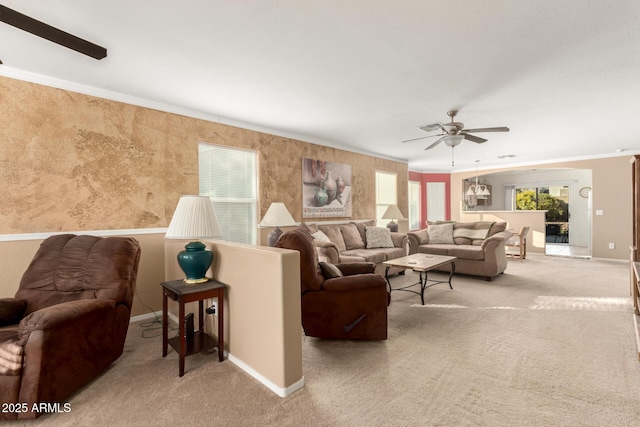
column 423, row 263
column 184, row 293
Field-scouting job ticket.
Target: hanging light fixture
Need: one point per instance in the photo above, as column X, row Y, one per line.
column 452, row 141
column 477, row 191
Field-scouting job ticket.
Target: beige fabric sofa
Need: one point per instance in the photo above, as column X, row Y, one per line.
column 479, row 246
column 347, row 242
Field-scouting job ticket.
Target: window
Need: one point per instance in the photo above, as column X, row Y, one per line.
column 436, row 201
column 414, row 205
column 386, row 194
column 553, row 199
column 228, row 178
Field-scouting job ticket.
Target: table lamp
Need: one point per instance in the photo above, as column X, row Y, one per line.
column 277, row 215
column 194, row 218
column 392, row 213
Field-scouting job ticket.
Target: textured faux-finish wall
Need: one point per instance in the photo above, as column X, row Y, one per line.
column 73, row 162
column 70, row 161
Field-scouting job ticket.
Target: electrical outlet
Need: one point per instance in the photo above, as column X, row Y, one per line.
column 213, row 308
column 612, row 245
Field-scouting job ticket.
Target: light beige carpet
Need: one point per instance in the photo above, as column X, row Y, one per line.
column 550, row 342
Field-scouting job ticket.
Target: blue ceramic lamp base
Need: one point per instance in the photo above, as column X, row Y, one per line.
column 195, row 261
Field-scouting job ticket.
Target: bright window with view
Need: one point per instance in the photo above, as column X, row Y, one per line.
column 386, row 194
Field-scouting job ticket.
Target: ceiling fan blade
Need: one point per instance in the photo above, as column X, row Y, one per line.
column 434, row 144
column 40, row 29
column 498, row 129
column 432, row 127
column 422, row 137
column 474, row 138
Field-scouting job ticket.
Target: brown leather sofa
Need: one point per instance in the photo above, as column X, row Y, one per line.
column 346, row 301
column 68, row 320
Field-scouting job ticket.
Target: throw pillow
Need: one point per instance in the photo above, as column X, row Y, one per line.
column 320, row 236
column 329, row 271
column 362, row 228
column 441, row 233
column 378, row 237
column 467, row 233
column 351, row 235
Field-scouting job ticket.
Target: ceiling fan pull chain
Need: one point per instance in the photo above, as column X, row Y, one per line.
column 452, row 156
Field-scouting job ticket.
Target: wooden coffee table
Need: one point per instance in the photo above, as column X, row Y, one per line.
column 422, row 263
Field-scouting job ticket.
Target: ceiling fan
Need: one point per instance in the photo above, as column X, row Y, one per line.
column 454, row 129
column 453, row 133
column 40, row 29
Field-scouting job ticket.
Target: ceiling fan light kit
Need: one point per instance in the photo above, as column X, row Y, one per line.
column 453, row 140
column 453, row 133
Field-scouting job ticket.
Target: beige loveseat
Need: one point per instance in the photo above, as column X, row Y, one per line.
column 358, row 242
column 478, row 246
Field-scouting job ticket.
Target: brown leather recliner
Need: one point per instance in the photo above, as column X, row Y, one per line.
column 68, row 320
column 350, row 306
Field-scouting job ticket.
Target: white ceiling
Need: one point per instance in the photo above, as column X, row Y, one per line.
column 363, row 75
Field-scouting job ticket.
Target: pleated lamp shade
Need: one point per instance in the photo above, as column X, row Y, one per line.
column 194, row 218
column 277, row 216
column 392, row 212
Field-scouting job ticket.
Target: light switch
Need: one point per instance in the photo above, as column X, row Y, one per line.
column 599, row 212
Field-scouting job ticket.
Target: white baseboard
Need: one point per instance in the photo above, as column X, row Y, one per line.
column 280, row 391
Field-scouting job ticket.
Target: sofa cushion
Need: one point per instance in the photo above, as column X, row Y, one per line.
column 362, row 228
column 468, row 233
column 391, row 253
column 351, row 236
column 434, row 249
column 346, row 257
column 369, row 255
column 467, row 252
column 311, row 228
column 378, row 237
column 335, row 235
column 440, row 233
column 497, row 227
column 422, row 236
column 329, row 271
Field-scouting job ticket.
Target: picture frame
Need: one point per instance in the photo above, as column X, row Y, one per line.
column 326, row 189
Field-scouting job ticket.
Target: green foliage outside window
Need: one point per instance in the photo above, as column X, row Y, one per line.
column 557, row 209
